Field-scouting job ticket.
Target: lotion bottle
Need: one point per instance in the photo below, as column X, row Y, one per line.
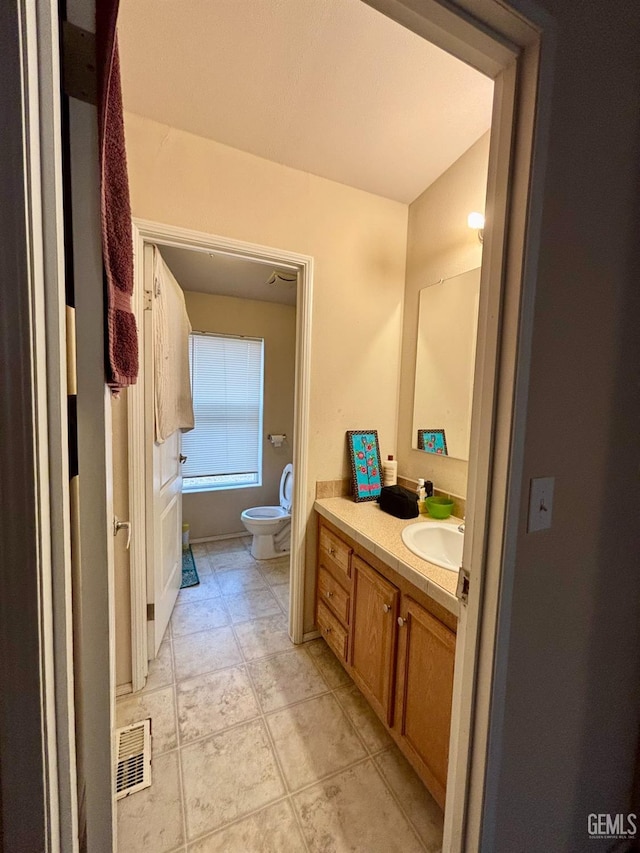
column 390, row 472
column 420, row 492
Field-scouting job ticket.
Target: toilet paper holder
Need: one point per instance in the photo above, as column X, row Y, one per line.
column 277, row 440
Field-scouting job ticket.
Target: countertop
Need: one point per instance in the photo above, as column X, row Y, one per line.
column 381, row 533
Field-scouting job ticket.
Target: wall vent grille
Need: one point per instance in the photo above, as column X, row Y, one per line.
column 133, row 756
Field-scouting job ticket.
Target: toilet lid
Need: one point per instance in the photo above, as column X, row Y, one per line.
column 286, row 487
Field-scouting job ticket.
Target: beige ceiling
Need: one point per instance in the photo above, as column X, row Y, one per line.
column 331, row 87
column 226, row 275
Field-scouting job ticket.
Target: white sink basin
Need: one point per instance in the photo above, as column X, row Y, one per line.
column 440, row 544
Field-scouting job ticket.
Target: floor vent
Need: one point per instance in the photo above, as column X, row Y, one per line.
column 133, row 754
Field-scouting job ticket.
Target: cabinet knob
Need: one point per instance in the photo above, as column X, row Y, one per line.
column 328, row 594
column 327, row 630
column 401, row 621
column 332, row 551
column 385, row 608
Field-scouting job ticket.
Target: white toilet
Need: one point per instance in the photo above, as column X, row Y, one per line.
column 271, row 525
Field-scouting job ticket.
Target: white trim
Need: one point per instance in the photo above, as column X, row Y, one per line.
column 482, row 494
column 310, row 635
column 124, row 689
column 94, row 579
column 304, row 304
column 505, row 46
column 137, row 491
column 462, row 33
column 34, row 228
column 45, row 230
column 148, row 232
column 530, row 143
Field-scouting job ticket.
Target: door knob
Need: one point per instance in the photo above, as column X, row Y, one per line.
column 182, row 458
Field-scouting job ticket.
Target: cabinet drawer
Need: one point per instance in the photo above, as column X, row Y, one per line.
column 335, row 555
column 333, row 595
column 332, row 631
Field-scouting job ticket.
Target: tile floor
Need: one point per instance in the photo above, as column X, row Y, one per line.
column 260, row 745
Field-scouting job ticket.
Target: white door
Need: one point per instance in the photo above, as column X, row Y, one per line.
column 164, row 496
column 166, row 550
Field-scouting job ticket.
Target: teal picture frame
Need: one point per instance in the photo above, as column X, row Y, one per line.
column 366, row 470
column 432, row 441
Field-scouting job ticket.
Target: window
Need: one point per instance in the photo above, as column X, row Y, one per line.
column 225, row 448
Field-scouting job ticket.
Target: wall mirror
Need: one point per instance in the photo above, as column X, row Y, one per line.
column 445, row 356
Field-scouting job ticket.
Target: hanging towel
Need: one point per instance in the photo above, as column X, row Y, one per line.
column 115, row 206
column 171, row 330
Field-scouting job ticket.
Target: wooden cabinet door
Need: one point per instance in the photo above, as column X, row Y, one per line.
column 374, row 609
column 426, row 659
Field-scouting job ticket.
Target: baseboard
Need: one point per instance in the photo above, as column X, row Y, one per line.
column 311, row 635
column 123, row 689
column 219, row 537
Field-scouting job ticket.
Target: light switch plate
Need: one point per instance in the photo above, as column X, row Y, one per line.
column 540, row 503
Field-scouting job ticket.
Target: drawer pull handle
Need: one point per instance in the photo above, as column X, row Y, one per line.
column 386, row 608
column 401, row 621
column 328, row 594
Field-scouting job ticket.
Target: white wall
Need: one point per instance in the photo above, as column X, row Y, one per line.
column 439, row 245
column 358, row 242
column 215, row 513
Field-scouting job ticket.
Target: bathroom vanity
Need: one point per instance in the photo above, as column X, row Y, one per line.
column 391, row 620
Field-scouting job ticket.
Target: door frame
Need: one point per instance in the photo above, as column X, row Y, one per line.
column 479, row 32
column 38, row 785
column 515, row 46
column 146, row 232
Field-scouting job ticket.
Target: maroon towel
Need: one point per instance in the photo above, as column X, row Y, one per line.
column 117, row 242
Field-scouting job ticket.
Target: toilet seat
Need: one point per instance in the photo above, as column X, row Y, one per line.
column 286, row 487
column 265, row 513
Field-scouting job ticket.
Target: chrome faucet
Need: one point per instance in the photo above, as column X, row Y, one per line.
column 461, row 526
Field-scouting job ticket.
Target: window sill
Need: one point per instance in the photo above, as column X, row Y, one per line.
column 195, row 490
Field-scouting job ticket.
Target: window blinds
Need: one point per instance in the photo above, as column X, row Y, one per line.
column 226, row 383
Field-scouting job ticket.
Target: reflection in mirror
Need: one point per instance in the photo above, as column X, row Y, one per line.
column 445, row 356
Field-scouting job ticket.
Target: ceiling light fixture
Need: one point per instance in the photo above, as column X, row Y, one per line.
column 475, row 221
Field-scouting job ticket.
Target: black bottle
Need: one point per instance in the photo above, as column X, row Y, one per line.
column 428, row 489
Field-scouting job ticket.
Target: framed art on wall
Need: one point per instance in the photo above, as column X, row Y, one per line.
column 433, row 441
column 364, row 456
